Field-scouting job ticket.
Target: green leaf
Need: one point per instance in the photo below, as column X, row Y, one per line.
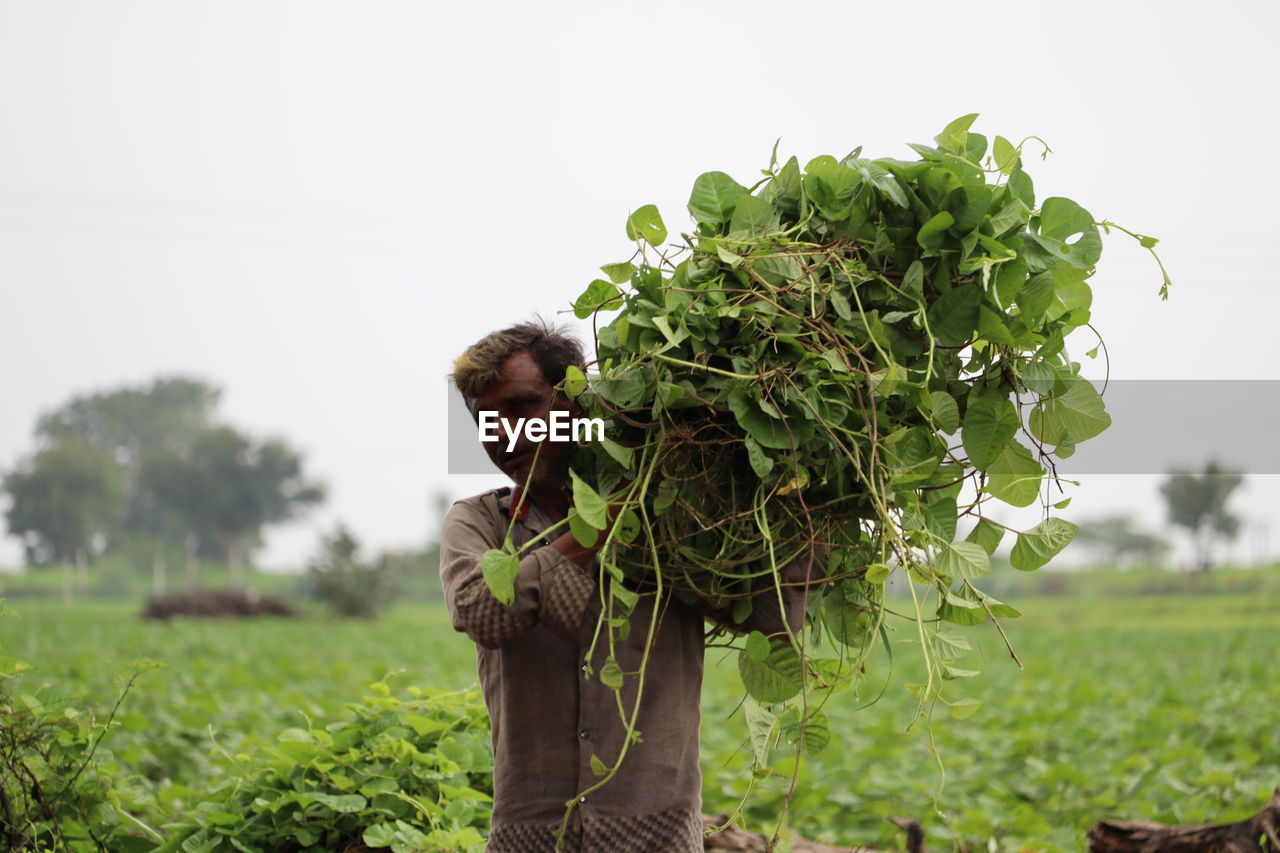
column 500, row 569
column 964, row 560
column 379, row 835
column 627, row 527
column 928, row 235
column 848, row 615
column 757, row 646
column 625, row 597
column 878, row 573
column 624, row 456
column 1013, row 476
column 840, row 303
column 913, row 280
column 963, row 709
column 986, row 535
column 953, row 318
column 946, row 415
column 958, row 609
column 760, row 461
column 1060, row 220
column 1004, row 154
column 830, row 187
column 1010, row 278
column 815, row 731
column 583, row 532
column 341, row 803
column 611, row 674
column 990, row 422
column 1021, row 186
column 951, row 644
column 593, row 508
column 1077, row 414
column 940, row 518
column 646, row 223
column 767, row 431
column 600, row 295
column 753, row 217
column 575, row 381
column 733, row 259
column 619, row 273
column 955, row 133
column 760, row 725
column 714, row 197
column 1042, row 543
column 774, row 679
column 597, row 766
column 1039, row 377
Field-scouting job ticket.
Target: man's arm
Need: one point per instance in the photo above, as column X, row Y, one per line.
column 797, row 579
column 550, row 586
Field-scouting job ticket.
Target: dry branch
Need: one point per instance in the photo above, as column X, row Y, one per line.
column 1140, row 836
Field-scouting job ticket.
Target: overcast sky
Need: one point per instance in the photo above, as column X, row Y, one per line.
column 317, row 204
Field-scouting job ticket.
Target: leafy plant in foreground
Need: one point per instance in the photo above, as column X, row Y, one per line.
column 58, row 787
column 405, row 774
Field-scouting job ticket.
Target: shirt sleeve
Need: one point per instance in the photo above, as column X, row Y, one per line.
column 549, row 587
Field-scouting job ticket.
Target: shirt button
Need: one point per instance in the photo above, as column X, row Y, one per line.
column 584, row 667
column 582, row 799
column 584, row 734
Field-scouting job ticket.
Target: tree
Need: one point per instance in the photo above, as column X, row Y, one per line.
column 64, row 503
column 349, row 586
column 127, row 421
column 1117, row 540
column 1199, row 503
column 223, row 488
column 130, row 423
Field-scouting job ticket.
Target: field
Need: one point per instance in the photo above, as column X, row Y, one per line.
column 1131, row 704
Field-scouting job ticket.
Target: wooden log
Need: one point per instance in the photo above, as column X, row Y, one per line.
column 735, row 839
column 1140, row 836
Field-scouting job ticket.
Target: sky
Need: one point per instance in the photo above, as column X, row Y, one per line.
column 316, row 205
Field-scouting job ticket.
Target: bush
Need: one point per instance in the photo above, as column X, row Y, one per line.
column 348, row 586
column 58, row 786
column 407, row 774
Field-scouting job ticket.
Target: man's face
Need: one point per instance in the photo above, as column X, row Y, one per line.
column 521, row 391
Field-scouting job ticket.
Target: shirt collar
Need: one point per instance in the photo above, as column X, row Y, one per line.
column 515, row 500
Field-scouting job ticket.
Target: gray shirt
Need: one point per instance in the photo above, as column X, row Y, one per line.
column 551, row 712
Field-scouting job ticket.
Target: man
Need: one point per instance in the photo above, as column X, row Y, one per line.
column 554, row 722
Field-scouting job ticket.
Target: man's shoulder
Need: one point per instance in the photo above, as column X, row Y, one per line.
column 485, row 507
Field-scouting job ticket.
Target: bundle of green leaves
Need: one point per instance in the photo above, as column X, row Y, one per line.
column 830, row 358
column 854, row 356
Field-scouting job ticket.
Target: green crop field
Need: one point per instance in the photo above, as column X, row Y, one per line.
column 1131, row 705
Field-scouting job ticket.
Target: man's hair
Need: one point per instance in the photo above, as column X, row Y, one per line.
column 551, row 347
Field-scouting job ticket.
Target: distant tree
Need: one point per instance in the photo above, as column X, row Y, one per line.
column 182, row 482
column 1199, row 503
column 127, row 421
column 130, row 423
column 350, row 587
column 64, row 502
column 223, row 488
column 1117, row 540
